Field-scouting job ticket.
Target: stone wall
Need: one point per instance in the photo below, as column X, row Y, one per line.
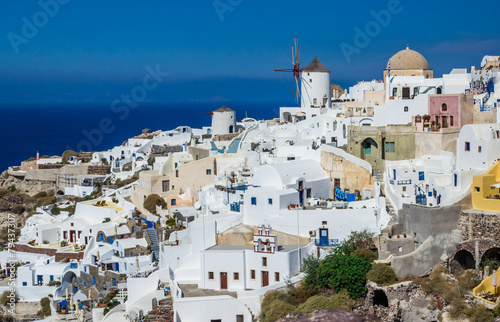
column 85, row 282
column 47, row 251
column 137, row 251
column 26, row 165
column 476, row 224
column 163, row 313
column 421, row 222
column 98, row 170
column 480, row 231
column 400, row 246
column 198, row 153
column 50, row 166
column 35, row 250
column 225, row 137
column 405, row 302
column 163, row 150
column 351, row 176
column 68, row 256
column 484, row 117
column 435, row 142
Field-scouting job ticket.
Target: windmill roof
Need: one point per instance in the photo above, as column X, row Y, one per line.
column 316, row 67
column 224, row 109
column 337, row 87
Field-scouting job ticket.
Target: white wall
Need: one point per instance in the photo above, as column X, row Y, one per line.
column 224, row 307
column 339, row 221
column 315, row 86
column 221, row 122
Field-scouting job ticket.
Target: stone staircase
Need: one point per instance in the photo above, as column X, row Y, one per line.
column 164, row 312
column 378, row 176
column 155, row 247
column 390, row 210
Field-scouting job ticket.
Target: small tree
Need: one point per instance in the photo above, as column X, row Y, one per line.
column 358, row 240
column 381, row 274
column 45, row 303
column 365, row 253
column 18, row 209
column 7, row 296
column 152, row 201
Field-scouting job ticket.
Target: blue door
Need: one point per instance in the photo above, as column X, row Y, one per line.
column 421, row 199
column 40, row 280
column 456, row 179
column 394, row 174
column 323, row 236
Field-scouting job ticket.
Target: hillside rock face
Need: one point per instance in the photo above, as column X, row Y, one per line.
column 400, row 302
column 26, row 186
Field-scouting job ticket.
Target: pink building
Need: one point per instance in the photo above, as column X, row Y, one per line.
column 445, row 111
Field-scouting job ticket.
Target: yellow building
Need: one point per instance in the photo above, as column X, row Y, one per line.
column 486, row 287
column 485, row 190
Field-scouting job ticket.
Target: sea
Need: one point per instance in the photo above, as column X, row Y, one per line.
column 51, row 129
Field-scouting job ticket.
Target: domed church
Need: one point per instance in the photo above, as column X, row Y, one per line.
column 408, row 62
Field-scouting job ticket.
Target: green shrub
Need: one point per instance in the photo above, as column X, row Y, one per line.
column 365, row 253
column 70, row 209
column 4, row 205
column 469, row 279
column 152, row 201
column 358, row 240
column 437, row 285
column 41, row 194
column 45, row 303
column 496, row 310
column 46, row 201
column 457, row 309
column 479, row 313
column 275, row 310
column 54, row 283
column 6, row 297
column 310, row 267
column 56, row 210
column 340, row 299
column 171, row 221
column 381, row 274
column 4, row 192
column 493, row 263
column 344, row 272
column 299, row 294
column 18, row 209
column 123, row 183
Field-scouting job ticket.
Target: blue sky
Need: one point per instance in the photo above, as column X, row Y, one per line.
column 95, row 51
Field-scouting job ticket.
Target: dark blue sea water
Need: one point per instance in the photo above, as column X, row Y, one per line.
column 52, row 129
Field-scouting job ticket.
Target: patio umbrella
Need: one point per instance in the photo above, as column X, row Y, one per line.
column 494, row 282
